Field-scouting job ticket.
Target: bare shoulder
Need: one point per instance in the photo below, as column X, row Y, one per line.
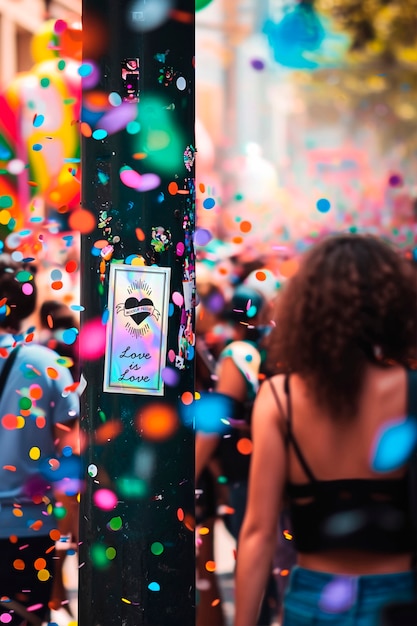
column 271, row 399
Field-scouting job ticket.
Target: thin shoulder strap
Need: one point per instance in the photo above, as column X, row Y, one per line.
column 278, row 401
column 288, row 419
column 7, row 367
column 293, row 440
column 412, row 393
column 412, row 463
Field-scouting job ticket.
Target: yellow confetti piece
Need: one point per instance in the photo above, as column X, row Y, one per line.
column 34, row 453
column 44, row 575
column 204, row 530
column 126, row 601
column 5, row 217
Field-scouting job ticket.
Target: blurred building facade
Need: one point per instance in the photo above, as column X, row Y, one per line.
column 19, row 20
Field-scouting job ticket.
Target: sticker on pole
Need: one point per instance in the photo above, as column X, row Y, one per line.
column 136, row 334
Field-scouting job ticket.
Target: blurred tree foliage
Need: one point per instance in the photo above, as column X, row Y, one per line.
column 378, row 75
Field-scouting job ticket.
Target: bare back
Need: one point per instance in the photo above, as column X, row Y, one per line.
column 344, row 450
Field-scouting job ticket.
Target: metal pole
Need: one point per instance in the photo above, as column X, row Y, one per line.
column 137, row 284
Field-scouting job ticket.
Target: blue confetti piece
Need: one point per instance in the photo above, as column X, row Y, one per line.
column 38, row 120
column 323, row 205
column 394, row 446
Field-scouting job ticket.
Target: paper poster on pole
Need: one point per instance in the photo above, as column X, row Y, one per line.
column 136, row 339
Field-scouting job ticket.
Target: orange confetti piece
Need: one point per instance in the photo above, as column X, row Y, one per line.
column 29, row 337
column 52, row 373
column 32, row 183
column 210, row 566
column 63, row 427
column 139, row 155
column 215, row 602
column 19, row 564
column 182, row 16
column 71, row 266
column 9, row 421
column 237, row 240
column 173, row 188
column 55, row 534
column 187, row 398
column 85, row 129
column 40, row 421
column 289, row 268
column 57, row 285
column 245, row 226
column 202, row 187
column 180, row 514
column 189, row 523
column 82, row 220
column 244, row 446
column 9, row 468
column 97, row 99
column 108, row 431
column 284, row 572
column 35, row 392
column 101, row 243
column 140, row 235
column 72, row 387
column 260, row 275
column 40, row 563
column 157, row 421
column 37, row 525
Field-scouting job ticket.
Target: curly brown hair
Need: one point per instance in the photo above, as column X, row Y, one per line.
column 353, row 301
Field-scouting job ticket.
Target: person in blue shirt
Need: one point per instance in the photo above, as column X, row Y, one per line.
column 39, row 413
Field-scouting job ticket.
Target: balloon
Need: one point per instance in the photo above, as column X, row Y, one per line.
column 57, row 39
column 44, row 43
column 42, row 108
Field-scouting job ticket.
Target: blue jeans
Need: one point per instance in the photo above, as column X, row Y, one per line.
column 318, row 599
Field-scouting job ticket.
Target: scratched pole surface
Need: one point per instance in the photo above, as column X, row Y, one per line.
column 137, row 281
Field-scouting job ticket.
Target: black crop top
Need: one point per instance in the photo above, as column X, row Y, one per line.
column 357, row 514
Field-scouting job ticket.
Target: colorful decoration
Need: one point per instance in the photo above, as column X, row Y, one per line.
column 39, row 128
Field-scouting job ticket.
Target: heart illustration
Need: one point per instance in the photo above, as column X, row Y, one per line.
column 133, row 303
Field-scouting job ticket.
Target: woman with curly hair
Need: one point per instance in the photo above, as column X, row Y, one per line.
column 346, row 334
